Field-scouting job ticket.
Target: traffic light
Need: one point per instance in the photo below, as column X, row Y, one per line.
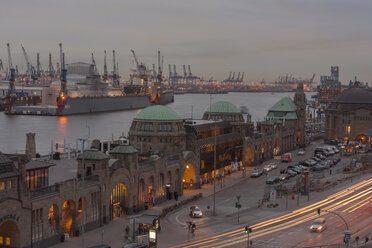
column 318, row 213
column 248, row 229
column 346, row 238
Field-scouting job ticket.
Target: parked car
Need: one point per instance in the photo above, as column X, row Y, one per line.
column 316, row 159
column 320, row 156
column 272, row 180
column 284, row 177
column 257, row 173
column 318, row 225
column 195, row 212
column 291, row 173
column 301, row 152
column 297, row 169
column 325, row 164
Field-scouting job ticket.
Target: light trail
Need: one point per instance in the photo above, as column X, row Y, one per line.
column 330, row 204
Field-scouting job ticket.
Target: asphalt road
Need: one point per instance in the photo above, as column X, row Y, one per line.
column 272, row 227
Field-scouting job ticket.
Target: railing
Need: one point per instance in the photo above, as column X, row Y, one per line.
column 44, row 191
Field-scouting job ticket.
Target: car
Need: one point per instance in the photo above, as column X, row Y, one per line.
column 325, row 164
column 291, row 173
column 320, row 156
column 195, row 212
column 284, row 177
column 301, row 152
column 273, row 166
column 305, row 163
column 316, row 159
column 267, row 168
column 257, row 173
column 312, row 161
column 318, row 167
column 297, row 169
column 318, row 225
column 338, row 159
column 272, row 180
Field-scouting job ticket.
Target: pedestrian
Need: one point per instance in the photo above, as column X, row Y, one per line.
column 367, row 239
column 330, row 172
column 176, row 195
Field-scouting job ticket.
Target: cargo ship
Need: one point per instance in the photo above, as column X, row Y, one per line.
column 82, row 91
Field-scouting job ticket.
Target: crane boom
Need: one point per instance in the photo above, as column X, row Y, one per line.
column 241, row 79
column 1, row 65
column 135, row 58
column 61, row 56
column 94, row 64
column 27, row 60
column 238, row 77
column 10, row 63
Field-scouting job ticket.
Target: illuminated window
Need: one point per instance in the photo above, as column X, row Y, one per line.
column 1, row 240
column 202, row 164
column 2, row 185
column 348, row 129
column 7, row 241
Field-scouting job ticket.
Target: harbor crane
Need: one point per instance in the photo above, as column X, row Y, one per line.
column 39, row 69
column 1, row 66
column 29, row 73
column 10, row 63
column 115, row 77
column 160, row 68
column 141, row 70
column 105, row 73
column 185, row 74
column 229, row 78
column 237, row 79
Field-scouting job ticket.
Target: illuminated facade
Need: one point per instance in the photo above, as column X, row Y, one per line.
column 330, row 86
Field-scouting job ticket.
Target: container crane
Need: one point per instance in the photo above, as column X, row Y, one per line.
column 105, row 73
column 241, row 79
column 10, row 63
column 1, row 66
column 229, row 78
column 238, row 77
column 10, row 97
column 233, row 77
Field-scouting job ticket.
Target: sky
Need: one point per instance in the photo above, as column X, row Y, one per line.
column 263, row 38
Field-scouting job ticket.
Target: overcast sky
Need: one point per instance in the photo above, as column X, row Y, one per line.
column 263, row 38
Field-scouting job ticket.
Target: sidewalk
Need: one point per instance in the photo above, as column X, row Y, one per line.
column 114, row 234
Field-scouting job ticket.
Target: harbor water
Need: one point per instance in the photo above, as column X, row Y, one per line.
column 105, row 126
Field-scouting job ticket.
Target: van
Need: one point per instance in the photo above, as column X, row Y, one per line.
column 318, row 225
column 287, row 157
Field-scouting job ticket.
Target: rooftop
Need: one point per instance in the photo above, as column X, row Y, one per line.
column 284, row 105
column 123, row 149
column 157, row 113
column 355, row 96
column 223, row 107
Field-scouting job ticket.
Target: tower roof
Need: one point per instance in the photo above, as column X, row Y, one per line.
column 157, row 113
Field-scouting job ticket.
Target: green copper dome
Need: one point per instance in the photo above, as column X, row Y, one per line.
column 157, row 113
column 223, row 107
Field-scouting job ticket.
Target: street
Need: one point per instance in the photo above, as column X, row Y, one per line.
column 283, row 226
